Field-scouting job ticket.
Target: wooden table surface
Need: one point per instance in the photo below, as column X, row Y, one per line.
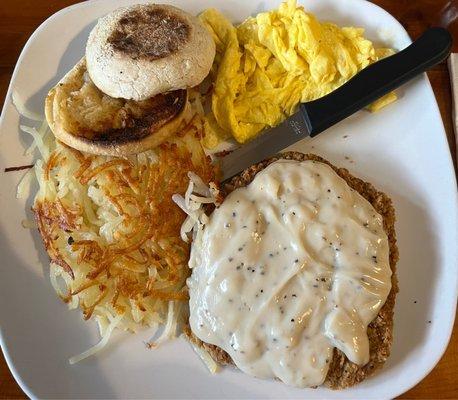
column 20, row 18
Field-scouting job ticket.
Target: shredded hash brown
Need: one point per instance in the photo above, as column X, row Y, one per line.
column 112, row 231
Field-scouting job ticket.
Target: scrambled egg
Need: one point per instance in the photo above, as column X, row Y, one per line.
column 267, row 65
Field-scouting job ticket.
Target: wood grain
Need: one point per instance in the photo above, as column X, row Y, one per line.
column 20, row 18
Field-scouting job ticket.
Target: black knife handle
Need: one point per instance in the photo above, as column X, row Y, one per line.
column 377, row 80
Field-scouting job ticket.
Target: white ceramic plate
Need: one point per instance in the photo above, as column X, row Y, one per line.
column 402, row 150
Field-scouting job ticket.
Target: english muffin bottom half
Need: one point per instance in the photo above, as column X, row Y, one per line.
column 83, row 117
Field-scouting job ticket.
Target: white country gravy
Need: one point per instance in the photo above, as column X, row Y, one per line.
column 288, row 268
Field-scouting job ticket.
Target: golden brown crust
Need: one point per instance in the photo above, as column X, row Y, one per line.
column 162, row 109
column 342, row 372
column 150, row 32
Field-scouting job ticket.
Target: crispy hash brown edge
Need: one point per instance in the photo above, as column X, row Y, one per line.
column 342, row 372
column 174, row 160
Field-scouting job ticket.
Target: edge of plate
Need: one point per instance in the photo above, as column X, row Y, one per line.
column 394, row 393
column 22, row 384
column 454, row 182
column 27, row 45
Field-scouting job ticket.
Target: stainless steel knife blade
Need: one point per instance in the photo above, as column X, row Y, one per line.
column 269, row 143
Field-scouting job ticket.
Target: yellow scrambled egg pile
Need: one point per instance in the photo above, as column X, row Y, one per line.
column 267, row 65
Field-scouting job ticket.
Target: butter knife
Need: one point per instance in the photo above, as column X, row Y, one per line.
column 364, row 88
